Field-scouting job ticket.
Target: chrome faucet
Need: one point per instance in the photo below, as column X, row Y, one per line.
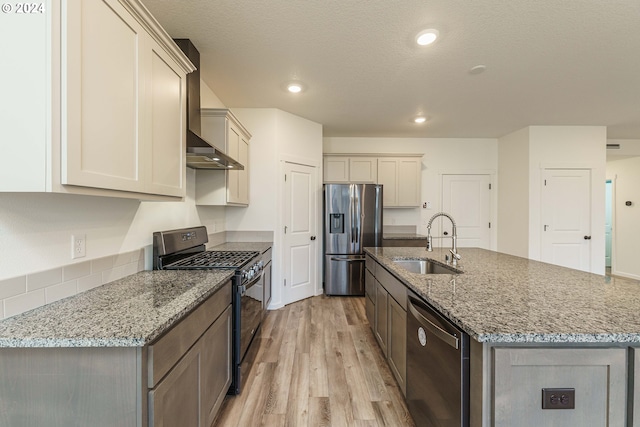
column 455, row 256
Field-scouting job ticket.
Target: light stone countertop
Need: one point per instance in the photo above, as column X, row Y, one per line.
column 501, row 298
column 404, row 236
column 130, row 312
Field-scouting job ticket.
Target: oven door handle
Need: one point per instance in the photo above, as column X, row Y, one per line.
column 243, row 288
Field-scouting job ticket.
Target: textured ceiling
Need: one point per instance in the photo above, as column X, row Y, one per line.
column 548, row 62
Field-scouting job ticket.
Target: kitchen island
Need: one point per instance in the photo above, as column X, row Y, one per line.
column 534, row 325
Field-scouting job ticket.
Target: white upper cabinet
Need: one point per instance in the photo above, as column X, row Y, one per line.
column 400, row 175
column 224, row 187
column 111, row 115
column 356, row 169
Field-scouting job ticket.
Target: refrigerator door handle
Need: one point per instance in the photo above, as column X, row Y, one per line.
column 352, row 213
column 347, row 259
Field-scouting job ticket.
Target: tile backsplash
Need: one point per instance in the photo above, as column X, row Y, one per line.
column 23, row 293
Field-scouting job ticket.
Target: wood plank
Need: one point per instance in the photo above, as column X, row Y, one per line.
column 298, row 407
column 339, row 398
column 360, row 401
column 279, row 387
column 318, row 378
column 256, row 402
column 372, row 361
column 319, row 412
column 318, row 365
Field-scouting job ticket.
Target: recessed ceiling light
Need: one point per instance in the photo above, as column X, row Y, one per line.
column 477, row 69
column 427, row 37
column 419, row 119
column 295, row 87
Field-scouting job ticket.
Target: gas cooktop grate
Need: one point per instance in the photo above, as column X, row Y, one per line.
column 215, row 259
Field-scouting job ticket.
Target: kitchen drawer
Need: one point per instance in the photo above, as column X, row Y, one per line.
column 395, row 288
column 369, row 285
column 370, row 264
column 165, row 352
column 370, row 310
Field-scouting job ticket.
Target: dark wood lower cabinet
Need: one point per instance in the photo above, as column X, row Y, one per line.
column 181, row 379
column 389, row 313
column 192, row 392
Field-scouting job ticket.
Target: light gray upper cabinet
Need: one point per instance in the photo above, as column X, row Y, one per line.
column 401, row 178
column 354, row 169
column 109, row 97
column 400, row 175
column 224, row 187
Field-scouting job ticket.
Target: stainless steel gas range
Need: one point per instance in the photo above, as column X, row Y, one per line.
column 184, row 249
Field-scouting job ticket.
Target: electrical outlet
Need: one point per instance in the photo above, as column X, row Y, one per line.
column 558, row 398
column 78, row 246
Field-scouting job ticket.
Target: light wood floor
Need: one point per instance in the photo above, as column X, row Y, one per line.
column 318, row 365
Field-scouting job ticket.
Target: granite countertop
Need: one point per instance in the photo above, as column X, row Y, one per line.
column 130, row 312
column 403, row 236
column 261, row 247
column 501, row 298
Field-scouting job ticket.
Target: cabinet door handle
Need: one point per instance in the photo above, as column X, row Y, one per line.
column 587, row 237
column 313, row 237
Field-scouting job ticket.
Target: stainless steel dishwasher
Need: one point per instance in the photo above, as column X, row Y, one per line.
column 437, row 368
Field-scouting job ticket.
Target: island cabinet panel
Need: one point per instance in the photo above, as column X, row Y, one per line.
column 386, row 299
column 635, row 351
column 62, row 387
column 397, row 345
column 370, row 293
column 381, row 319
column 598, row 375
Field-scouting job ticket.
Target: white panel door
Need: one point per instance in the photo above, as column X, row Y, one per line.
column 300, row 243
column 566, row 218
column 467, row 198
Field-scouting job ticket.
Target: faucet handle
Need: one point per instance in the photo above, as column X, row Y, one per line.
column 455, row 254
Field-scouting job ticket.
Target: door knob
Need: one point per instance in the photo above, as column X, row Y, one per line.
column 314, row 237
column 587, row 237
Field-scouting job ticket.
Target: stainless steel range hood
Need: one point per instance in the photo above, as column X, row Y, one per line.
column 200, row 153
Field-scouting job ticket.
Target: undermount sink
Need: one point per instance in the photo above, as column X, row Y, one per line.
column 424, row 266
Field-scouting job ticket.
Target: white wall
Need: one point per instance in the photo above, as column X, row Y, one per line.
column 628, row 148
column 569, row 147
column 36, row 229
column 277, row 136
column 208, row 99
column 524, row 155
column 625, row 175
column 513, row 193
column 441, row 156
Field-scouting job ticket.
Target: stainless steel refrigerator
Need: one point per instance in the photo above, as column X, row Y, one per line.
column 352, row 221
